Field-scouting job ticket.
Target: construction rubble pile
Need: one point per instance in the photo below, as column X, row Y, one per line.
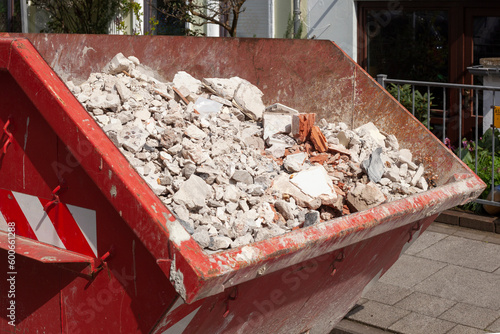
column 233, row 171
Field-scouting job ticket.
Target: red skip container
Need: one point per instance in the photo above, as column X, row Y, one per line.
column 97, row 252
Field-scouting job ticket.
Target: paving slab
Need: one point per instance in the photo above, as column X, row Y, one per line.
column 346, row 326
column 386, row 293
column 495, row 326
column 424, row 241
column 443, row 228
column 423, row 303
column 469, row 233
column 464, row 285
column 470, row 315
column 492, row 238
column 410, row 270
column 377, row 314
column 465, row 252
column 461, row 329
column 415, row 323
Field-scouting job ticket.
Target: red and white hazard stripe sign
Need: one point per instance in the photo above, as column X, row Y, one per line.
column 63, row 225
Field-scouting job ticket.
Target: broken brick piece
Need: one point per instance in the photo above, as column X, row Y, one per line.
column 302, row 125
column 318, row 139
column 320, row 158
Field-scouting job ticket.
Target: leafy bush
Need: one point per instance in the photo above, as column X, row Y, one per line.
column 484, row 161
column 406, row 99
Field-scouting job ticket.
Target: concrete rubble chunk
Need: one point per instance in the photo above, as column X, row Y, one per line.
column 233, row 171
column 418, row 175
column 281, row 108
column 220, row 242
column 283, row 185
column 123, row 91
column 132, row 138
column 184, row 79
column 294, row 162
column 242, row 176
column 364, row 197
column 274, row 123
column 284, row 208
column 280, row 139
column 225, row 88
column 194, row 132
column 249, row 97
column 370, row 131
column 118, row 64
column 193, row 193
column 202, row 238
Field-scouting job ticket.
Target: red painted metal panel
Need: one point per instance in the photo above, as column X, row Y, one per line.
column 152, row 260
column 42, row 252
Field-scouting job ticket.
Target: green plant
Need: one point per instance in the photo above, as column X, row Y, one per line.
column 289, row 29
column 422, row 101
column 130, row 6
column 467, row 152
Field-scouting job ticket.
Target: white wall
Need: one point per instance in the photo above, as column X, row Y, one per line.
column 257, row 19
column 334, row 20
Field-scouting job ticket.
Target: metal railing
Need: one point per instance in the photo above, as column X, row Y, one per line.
column 457, row 90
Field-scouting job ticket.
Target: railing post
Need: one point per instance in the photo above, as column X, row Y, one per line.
column 381, row 79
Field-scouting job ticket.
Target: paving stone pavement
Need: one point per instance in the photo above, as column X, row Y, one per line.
column 447, row 282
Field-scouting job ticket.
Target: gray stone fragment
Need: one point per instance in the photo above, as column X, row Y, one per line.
column 294, row 162
column 242, row 176
column 154, row 183
column 194, row 132
column 262, row 234
column 193, row 193
column 374, row 166
column 311, row 218
column 188, row 169
column 364, row 197
column 132, row 138
column 231, row 193
column 392, row 142
column 284, row 208
column 122, row 90
column 220, row 242
column 277, row 150
column 241, row 241
column 202, row 238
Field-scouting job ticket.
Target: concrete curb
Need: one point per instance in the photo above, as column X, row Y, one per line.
column 464, row 219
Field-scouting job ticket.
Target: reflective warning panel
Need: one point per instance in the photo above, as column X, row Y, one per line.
column 496, row 118
column 66, row 226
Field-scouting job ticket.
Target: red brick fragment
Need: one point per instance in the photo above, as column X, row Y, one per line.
column 320, row 158
column 302, row 125
column 318, row 139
